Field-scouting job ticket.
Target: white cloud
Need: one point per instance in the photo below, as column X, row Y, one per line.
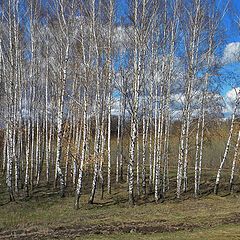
column 115, row 109
column 121, row 37
column 232, row 94
column 231, row 53
column 230, row 98
column 178, row 98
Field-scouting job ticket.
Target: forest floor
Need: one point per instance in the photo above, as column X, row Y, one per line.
column 45, row 215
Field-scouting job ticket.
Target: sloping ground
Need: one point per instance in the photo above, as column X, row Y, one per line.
column 223, row 232
column 134, row 229
column 50, row 217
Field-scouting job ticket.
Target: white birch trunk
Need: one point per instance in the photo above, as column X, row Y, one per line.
column 97, row 118
column 234, row 162
column 46, row 119
column 216, row 188
column 82, row 159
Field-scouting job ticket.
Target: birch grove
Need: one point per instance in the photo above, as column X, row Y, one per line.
column 92, row 103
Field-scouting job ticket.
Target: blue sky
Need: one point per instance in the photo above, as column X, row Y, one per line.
column 121, row 8
column 231, row 71
column 231, row 28
column 232, row 34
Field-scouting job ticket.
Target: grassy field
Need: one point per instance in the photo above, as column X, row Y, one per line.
column 45, row 215
column 224, row 232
